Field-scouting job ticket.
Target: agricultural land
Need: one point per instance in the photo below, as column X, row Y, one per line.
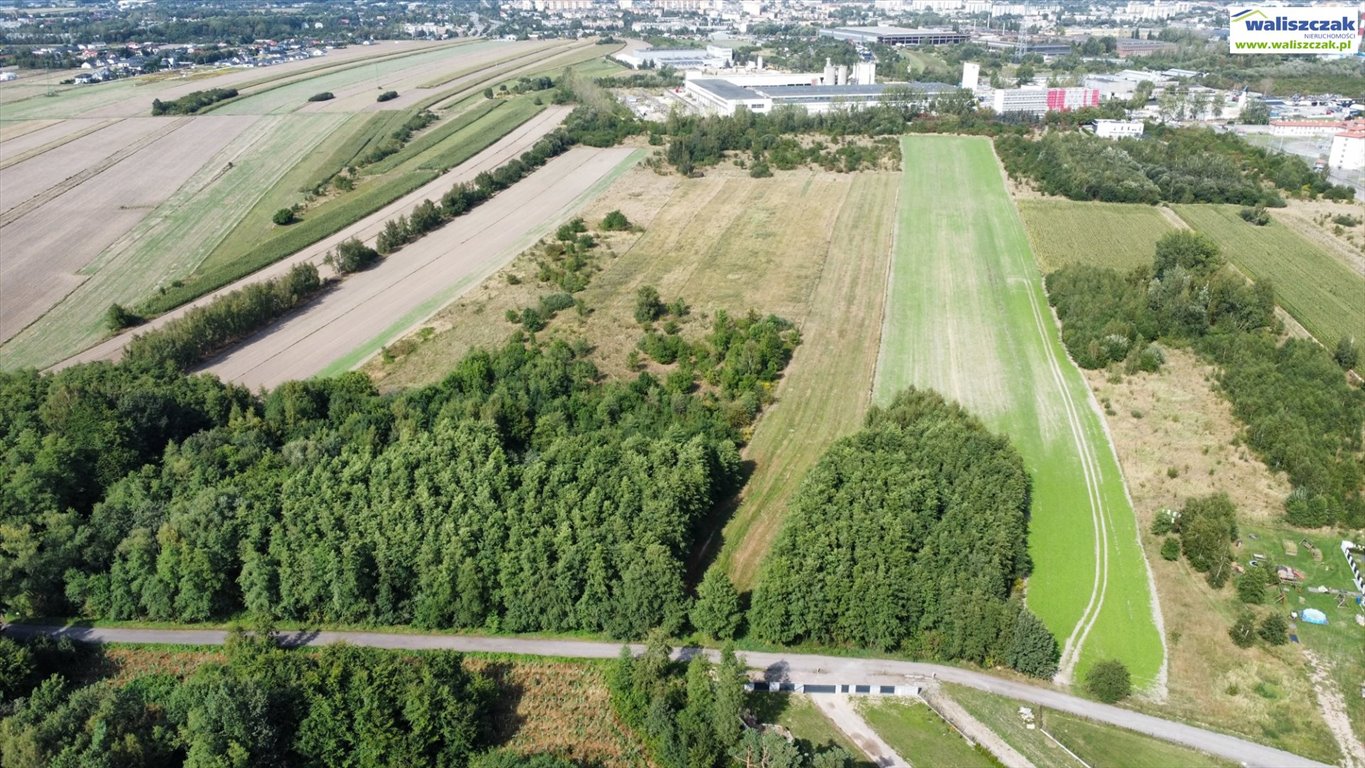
column 174, row 207
column 966, row 317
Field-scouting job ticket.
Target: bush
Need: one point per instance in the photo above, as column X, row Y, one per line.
column 648, row 306
column 1346, row 220
column 387, row 96
column 760, row 170
column 1274, row 629
column 284, row 217
column 1243, row 630
column 1256, row 215
column 352, row 256
column 615, row 221
column 1346, row 354
column 191, row 103
column 118, row 317
column 1109, row 681
column 324, row 96
column 1170, row 549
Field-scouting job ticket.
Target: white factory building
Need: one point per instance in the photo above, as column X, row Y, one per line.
column 1038, row 100
column 836, row 88
column 710, row 57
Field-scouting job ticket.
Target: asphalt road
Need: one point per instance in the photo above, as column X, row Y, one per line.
column 793, row 667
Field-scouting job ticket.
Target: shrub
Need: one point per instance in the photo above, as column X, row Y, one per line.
column 284, row 217
column 387, row 96
column 352, row 256
column 1170, row 549
column 118, row 317
column 1345, row 220
column 1109, row 681
column 1256, row 215
column 760, row 170
column 324, row 96
column 648, row 306
column 1243, row 631
column 1346, row 354
column 488, row 93
column 1274, row 630
column 615, row 221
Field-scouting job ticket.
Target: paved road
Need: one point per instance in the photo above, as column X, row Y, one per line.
column 803, row 668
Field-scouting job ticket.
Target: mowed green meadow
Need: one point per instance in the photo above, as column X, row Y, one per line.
column 966, row 316
column 1323, row 294
column 1117, row 235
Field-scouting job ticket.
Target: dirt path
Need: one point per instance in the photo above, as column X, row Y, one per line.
column 973, row 729
column 506, row 148
column 839, row 709
column 1333, row 708
column 361, row 314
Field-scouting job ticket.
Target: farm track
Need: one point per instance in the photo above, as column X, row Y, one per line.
column 73, row 181
column 367, row 228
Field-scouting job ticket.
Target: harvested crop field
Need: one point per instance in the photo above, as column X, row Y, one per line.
column 1321, row 292
column 366, row 228
column 65, row 225
column 1116, row 235
column 966, row 316
column 151, row 212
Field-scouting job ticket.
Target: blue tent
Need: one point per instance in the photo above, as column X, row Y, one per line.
column 1313, row 616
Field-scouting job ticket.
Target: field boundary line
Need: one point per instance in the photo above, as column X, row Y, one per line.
column 59, row 142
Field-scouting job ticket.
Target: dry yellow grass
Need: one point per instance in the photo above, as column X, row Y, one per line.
column 1174, row 420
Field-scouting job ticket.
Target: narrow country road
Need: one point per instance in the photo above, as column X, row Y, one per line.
column 775, row 667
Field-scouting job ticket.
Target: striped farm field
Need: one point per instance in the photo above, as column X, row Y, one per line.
column 966, row 316
column 1322, row 293
column 1117, row 235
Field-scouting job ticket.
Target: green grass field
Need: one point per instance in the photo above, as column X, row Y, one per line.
column 1103, row 745
column 920, row 736
column 1319, row 291
column 798, row 714
column 1115, row 235
column 966, row 316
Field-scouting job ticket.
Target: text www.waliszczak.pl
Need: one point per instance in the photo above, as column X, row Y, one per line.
column 1294, row 45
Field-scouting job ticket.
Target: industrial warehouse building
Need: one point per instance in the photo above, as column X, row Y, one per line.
column 712, row 57
column 1039, row 101
column 722, row 96
column 896, row 35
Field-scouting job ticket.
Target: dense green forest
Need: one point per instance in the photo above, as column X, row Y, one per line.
column 262, row 707
column 191, row 103
column 909, row 535
column 522, row 493
column 1179, row 165
column 1301, row 415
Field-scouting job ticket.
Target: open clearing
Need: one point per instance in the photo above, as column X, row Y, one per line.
column 203, row 187
column 1321, row 292
column 369, row 308
column 966, row 316
column 1177, row 438
column 365, row 229
column 1063, row 232
column 919, row 735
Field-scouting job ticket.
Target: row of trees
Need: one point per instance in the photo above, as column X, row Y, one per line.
column 909, row 535
column 1301, row 415
column 1181, row 165
column 264, row 706
column 192, row 102
column 202, row 331
column 694, row 715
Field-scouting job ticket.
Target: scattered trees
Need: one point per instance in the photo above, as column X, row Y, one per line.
column 1273, row 629
column 1243, row 630
column 1208, row 525
column 351, row 255
column 118, row 317
column 1345, row 353
column 648, row 306
column 193, row 102
column 1109, row 681
column 284, row 217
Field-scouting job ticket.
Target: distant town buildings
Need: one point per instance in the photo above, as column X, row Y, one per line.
column 836, row 88
column 1039, row 101
column 1118, row 129
column 710, row 57
column 896, row 35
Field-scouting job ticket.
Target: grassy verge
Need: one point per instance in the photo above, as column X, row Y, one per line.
column 966, row 316
column 1320, row 292
column 798, row 714
column 1103, row 745
column 920, row 736
column 1115, row 235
